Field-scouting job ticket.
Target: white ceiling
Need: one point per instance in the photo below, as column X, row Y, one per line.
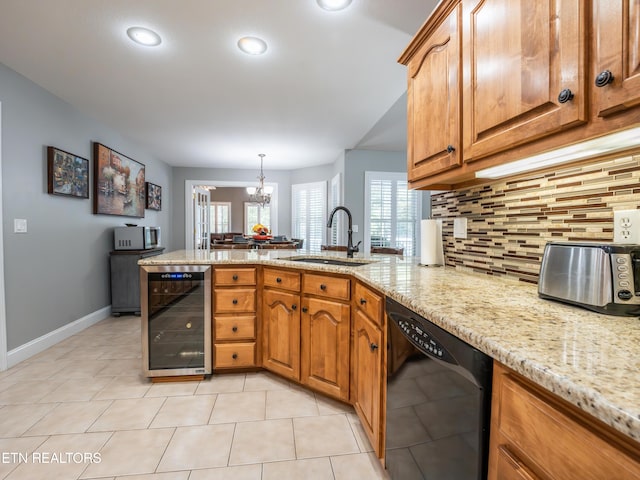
column 328, row 82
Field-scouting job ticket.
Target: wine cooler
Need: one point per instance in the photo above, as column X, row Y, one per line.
column 176, row 319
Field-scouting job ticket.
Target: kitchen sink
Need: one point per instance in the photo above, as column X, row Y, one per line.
column 329, row 261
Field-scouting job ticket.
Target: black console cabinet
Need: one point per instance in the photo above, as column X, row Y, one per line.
column 125, row 279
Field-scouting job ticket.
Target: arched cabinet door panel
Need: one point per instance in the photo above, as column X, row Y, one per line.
column 434, row 102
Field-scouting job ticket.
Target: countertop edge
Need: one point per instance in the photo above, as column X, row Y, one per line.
column 586, row 399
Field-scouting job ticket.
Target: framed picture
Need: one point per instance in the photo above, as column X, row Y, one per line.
column 154, row 196
column 67, row 174
column 118, row 183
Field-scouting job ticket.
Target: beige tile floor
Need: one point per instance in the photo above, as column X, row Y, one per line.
column 85, row 400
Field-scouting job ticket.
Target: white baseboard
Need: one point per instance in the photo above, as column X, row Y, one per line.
column 40, row 344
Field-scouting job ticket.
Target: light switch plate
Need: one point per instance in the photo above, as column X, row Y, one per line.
column 626, row 226
column 354, row 228
column 19, row 225
column 460, row 227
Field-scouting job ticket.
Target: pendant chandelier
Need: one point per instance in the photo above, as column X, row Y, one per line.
column 259, row 195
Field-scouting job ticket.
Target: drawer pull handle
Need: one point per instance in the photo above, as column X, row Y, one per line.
column 604, row 78
column 234, row 356
column 235, row 301
column 373, row 347
column 304, row 309
column 323, row 286
column 451, row 149
column 565, row 96
column 363, row 301
column 234, row 329
column 278, row 280
column 294, row 306
column 235, row 277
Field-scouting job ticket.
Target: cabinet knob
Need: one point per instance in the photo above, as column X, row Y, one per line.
column 234, row 328
column 323, row 286
column 294, row 306
column 373, row 346
column 235, row 278
column 451, row 148
column 235, row 301
column 565, row 96
column 305, row 309
column 278, row 280
column 363, row 301
column 604, row 78
column 234, row 356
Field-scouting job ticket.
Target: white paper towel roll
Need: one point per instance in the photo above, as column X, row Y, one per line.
column 431, row 252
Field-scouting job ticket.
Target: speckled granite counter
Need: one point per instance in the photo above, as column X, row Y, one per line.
column 591, row 360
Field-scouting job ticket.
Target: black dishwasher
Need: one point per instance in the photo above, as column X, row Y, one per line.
column 438, row 402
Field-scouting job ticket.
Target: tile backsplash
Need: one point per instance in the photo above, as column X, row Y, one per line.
column 510, row 221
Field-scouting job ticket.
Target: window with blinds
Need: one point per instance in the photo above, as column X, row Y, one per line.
column 309, row 213
column 392, row 212
column 253, row 214
column 220, row 217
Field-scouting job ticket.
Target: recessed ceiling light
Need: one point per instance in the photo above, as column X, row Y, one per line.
column 334, row 5
column 144, row 36
column 252, row 45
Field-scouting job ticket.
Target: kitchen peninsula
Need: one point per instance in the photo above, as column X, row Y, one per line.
column 587, row 359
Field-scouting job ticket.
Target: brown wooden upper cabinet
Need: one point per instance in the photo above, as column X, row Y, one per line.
column 493, row 81
column 434, row 102
column 617, row 55
column 524, row 71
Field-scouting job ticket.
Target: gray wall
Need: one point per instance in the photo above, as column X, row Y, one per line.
column 357, row 162
column 312, row 174
column 57, row 272
column 182, row 174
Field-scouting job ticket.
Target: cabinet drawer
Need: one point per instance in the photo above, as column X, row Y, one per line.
column 233, row 300
column 229, row 355
column 234, row 276
column 235, row 327
column 326, row 286
column 281, row 279
column 370, row 303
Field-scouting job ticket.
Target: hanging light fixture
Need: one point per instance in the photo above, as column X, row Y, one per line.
column 259, row 195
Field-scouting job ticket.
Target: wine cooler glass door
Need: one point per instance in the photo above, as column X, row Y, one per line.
column 177, row 320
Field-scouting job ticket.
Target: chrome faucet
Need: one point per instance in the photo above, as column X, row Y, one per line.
column 350, row 248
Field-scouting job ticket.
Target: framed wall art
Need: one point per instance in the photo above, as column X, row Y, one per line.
column 67, row 174
column 154, row 196
column 118, row 183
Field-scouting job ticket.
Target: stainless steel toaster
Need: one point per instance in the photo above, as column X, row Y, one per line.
column 604, row 277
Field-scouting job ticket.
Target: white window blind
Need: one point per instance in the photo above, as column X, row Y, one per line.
column 253, row 214
column 220, row 217
column 392, row 212
column 309, row 213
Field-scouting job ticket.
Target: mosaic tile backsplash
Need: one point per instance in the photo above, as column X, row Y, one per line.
column 510, row 221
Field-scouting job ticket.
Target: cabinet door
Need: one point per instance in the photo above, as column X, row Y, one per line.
column 433, row 102
column 617, row 44
column 368, row 377
column 520, row 56
column 534, row 433
column 325, row 346
column 281, row 333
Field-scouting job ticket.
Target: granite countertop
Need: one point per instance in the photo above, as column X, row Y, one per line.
column 589, row 359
